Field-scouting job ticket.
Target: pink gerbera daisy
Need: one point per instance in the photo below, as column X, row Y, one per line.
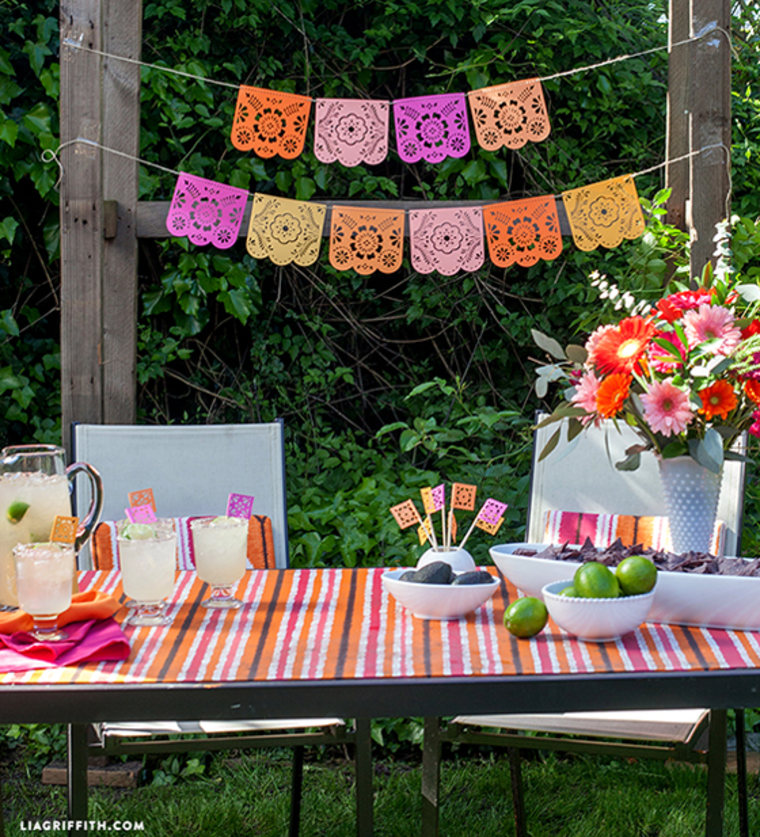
column 666, row 408
column 593, row 340
column 712, row 322
column 585, row 394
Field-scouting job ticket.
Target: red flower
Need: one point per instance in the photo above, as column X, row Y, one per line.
column 619, row 349
column 752, row 390
column 611, row 395
column 717, row 400
column 752, row 329
column 673, row 306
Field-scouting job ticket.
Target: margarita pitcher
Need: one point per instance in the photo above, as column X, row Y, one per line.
column 35, row 486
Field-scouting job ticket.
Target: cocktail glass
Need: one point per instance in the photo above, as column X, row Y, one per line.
column 44, row 577
column 34, row 489
column 220, row 547
column 148, row 557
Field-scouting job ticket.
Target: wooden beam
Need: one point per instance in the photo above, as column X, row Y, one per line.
column 151, row 215
column 710, row 126
column 677, row 120
column 81, row 217
column 122, row 35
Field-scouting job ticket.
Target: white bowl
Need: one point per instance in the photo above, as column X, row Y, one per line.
column 706, row 601
column 596, row 620
column 459, row 560
column 437, row 601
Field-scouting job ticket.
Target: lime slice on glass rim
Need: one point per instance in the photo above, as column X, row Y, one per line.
column 138, row 532
column 16, row 511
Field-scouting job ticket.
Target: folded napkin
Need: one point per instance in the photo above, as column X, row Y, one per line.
column 89, row 605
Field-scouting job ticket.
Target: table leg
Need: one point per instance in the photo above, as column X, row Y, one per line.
column 716, row 772
column 741, row 773
column 431, row 773
column 363, row 762
column 77, row 772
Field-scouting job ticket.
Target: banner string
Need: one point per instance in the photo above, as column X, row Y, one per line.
column 48, row 156
column 706, row 30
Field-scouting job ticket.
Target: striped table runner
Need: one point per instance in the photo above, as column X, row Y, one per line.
column 340, row 624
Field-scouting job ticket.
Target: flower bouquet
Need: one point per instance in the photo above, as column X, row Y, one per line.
column 684, row 373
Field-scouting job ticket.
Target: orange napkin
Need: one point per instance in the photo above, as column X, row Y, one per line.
column 91, row 604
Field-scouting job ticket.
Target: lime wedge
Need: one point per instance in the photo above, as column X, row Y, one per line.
column 16, row 511
column 222, row 518
column 138, row 532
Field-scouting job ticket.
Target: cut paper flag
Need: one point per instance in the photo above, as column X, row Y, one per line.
column 489, row 528
column 431, row 128
column 206, row 211
column 366, row 240
column 239, row 505
column 406, row 514
column 427, row 500
column 604, row 213
column 351, row 131
column 64, row 529
column 141, row 514
column 463, row 496
column 269, row 122
column 141, row 498
column 285, row 230
column 523, row 231
column 509, row 115
column 491, row 511
column 439, row 496
column 446, row 240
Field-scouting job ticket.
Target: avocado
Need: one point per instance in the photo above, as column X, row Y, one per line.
column 473, row 577
column 407, row 576
column 437, row 572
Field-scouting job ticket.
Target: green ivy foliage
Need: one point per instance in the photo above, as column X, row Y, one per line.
column 386, row 383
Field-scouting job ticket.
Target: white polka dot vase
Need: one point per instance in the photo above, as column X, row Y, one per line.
column 691, row 497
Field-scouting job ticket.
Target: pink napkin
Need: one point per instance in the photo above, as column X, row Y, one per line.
column 94, row 640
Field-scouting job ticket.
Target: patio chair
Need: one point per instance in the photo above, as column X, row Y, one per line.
column 192, row 469
column 580, row 477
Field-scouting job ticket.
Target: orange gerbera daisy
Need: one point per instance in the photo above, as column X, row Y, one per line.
column 717, row 400
column 752, row 389
column 619, row 349
column 611, row 394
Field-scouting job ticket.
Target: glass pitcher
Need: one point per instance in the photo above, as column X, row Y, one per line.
column 35, row 486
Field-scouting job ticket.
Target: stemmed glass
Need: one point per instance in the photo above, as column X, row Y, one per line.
column 44, row 579
column 220, row 551
column 148, row 557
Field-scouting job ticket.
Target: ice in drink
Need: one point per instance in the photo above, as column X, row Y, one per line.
column 43, row 575
column 29, row 502
column 148, row 556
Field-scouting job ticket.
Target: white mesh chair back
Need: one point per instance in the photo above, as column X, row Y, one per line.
column 192, row 470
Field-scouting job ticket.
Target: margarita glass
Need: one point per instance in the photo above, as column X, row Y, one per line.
column 220, row 545
column 44, row 576
column 148, row 558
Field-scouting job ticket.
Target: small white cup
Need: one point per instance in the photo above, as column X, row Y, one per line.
column 459, row 560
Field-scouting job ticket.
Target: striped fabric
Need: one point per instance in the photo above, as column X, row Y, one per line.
column 604, row 529
column 105, row 548
column 340, row 624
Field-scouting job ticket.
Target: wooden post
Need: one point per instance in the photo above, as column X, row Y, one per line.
column 99, row 101
column 122, row 35
column 81, row 217
column 699, row 115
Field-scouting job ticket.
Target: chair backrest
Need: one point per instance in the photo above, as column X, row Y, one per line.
column 192, row 469
column 581, row 476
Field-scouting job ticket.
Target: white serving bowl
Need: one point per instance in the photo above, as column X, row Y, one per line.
column 706, row 601
column 437, row 601
column 459, row 560
column 596, row 620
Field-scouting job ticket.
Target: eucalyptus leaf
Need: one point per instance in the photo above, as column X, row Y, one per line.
column 550, row 445
column 574, row 428
column 751, row 293
column 630, row 463
column 576, row 353
column 542, row 387
column 548, row 344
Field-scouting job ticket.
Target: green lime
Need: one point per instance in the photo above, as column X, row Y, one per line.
column 636, row 574
column 138, row 532
column 569, row 591
column 595, row 581
column 16, row 511
column 525, row 617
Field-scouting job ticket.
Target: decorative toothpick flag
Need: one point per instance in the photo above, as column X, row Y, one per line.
column 269, row 122
column 142, row 497
column 64, row 529
column 491, row 511
column 431, row 128
column 509, row 115
column 406, row 514
column 366, row 240
column 239, row 505
column 463, row 496
column 446, row 240
column 523, row 232
column 351, row 131
column 490, row 528
column 604, row 213
column 141, row 514
column 284, row 230
column 206, row 211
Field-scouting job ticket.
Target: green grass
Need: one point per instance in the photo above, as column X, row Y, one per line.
column 249, row 795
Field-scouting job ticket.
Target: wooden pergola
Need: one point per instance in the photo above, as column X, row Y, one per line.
column 102, row 219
